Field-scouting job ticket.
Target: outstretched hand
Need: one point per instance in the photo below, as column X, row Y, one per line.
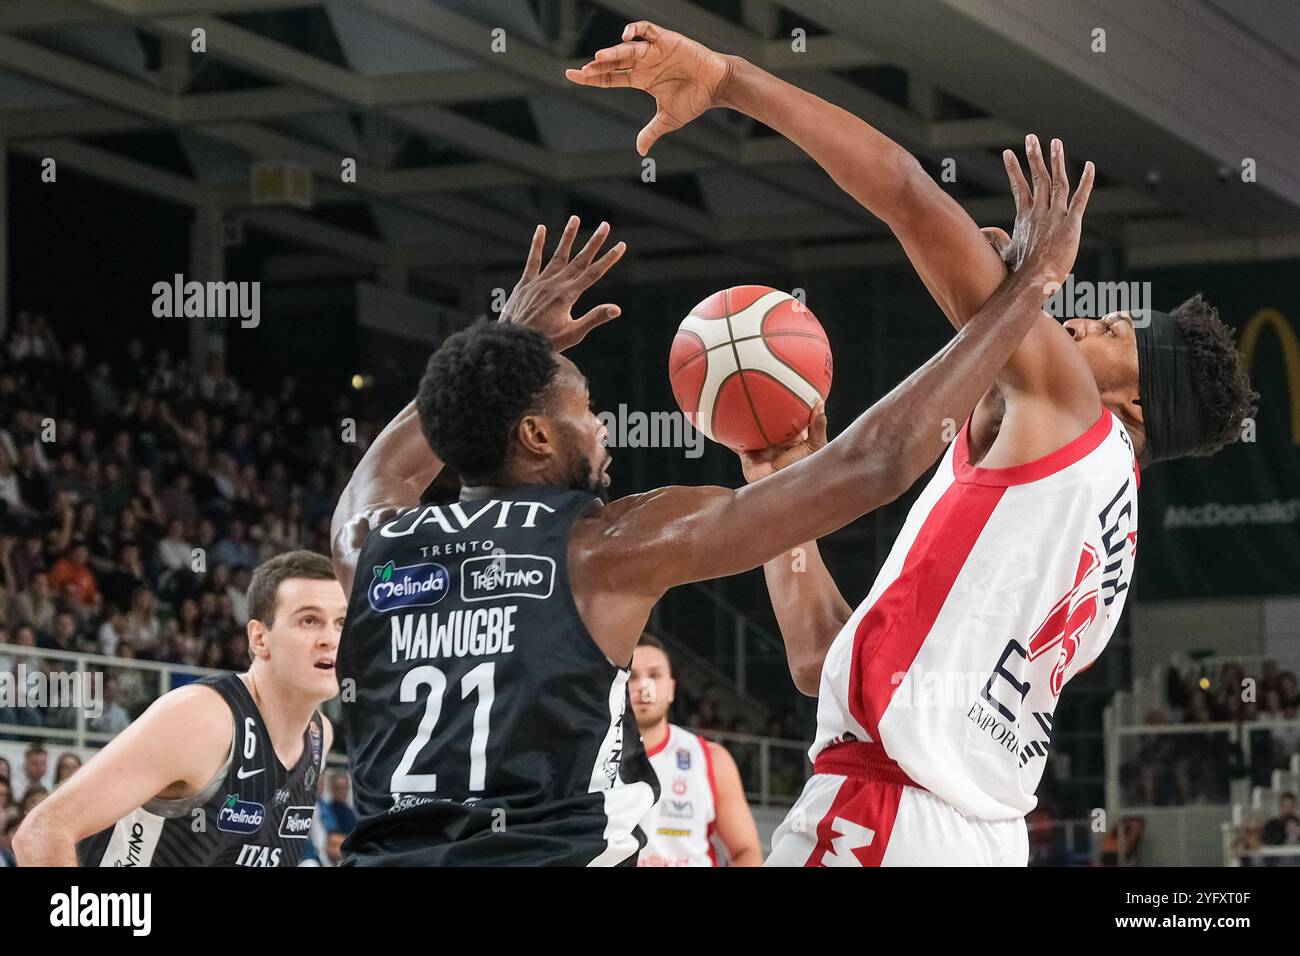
column 1048, row 219
column 760, row 464
column 543, row 299
column 683, row 76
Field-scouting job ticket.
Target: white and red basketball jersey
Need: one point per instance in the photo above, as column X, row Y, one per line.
column 680, row 828
column 1003, row 584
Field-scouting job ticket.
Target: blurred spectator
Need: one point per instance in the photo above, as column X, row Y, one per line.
column 69, row 763
column 335, row 808
column 114, row 719
column 32, row 773
column 1275, row 830
column 1249, row 839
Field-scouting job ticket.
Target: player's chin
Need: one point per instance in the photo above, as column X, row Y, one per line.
column 324, row 680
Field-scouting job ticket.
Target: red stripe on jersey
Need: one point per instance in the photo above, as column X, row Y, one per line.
column 1049, row 464
column 890, row 635
column 713, row 789
column 663, row 743
column 858, row 824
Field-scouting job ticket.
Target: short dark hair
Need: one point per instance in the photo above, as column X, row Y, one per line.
column 1223, row 388
column 649, row 640
column 267, row 578
column 477, row 386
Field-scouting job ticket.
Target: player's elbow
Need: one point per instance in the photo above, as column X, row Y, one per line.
column 807, row 678
column 34, row 838
column 911, row 199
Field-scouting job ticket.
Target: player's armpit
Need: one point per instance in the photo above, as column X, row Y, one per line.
column 735, row 821
column 182, row 739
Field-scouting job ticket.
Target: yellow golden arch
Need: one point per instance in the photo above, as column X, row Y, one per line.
column 1272, row 318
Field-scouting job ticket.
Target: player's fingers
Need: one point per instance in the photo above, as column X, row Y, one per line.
column 621, row 53
column 596, row 67
column 589, row 250
column 817, row 427
column 641, row 28
column 593, row 273
column 661, row 124
column 602, row 80
column 560, row 257
column 1038, row 171
column 1060, row 177
column 1019, row 187
column 998, row 239
column 598, row 316
column 533, row 264
column 1080, row 201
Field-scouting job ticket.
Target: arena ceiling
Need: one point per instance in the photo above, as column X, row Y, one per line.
column 460, row 149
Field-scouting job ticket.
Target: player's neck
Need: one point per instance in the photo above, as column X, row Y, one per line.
column 284, row 712
column 652, row 737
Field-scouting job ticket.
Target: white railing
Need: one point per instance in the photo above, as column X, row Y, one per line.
column 762, row 780
column 1237, row 734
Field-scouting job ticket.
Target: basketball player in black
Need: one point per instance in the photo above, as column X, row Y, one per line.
column 487, row 643
column 221, row 772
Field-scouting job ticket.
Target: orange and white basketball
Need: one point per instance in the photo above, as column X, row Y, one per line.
column 748, row 365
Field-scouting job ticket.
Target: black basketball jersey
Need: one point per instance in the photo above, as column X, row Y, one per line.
column 254, row 812
column 487, row 726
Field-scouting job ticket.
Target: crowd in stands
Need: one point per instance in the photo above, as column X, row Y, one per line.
column 136, row 496
column 1188, row 768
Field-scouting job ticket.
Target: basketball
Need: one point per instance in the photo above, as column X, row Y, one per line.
column 748, row 365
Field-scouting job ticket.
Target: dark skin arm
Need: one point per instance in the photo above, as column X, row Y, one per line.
column 809, row 607
column 399, row 465
column 627, row 555
column 1047, row 390
column 1044, row 395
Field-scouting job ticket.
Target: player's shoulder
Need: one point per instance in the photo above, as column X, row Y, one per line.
column 198, row 711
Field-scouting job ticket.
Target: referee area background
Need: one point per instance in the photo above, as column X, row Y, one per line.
column 368, row 174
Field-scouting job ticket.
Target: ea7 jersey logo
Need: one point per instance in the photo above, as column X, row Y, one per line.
column 1069, row 620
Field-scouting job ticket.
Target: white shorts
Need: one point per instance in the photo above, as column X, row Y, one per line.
column 874, row 818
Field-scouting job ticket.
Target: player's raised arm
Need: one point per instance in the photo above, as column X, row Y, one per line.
column 691, row 534
column 179, row 743
column 809, row 608
column 399, row 465
column 950, row 253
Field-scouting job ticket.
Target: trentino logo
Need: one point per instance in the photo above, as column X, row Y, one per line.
column 240, row 816
column 412, row 585
column 296, row 822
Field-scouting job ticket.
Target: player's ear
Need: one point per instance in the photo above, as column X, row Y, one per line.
column 257, row 644
column 536, row 433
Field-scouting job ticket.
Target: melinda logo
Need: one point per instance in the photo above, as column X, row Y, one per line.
column 240, row 816
column 413, row 585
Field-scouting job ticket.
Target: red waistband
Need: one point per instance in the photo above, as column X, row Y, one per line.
column 866, row 761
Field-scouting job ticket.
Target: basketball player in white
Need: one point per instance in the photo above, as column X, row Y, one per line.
column 699, row 785
column 936, row 695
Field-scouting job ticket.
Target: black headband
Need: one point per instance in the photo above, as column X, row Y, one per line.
column 1167, row 387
